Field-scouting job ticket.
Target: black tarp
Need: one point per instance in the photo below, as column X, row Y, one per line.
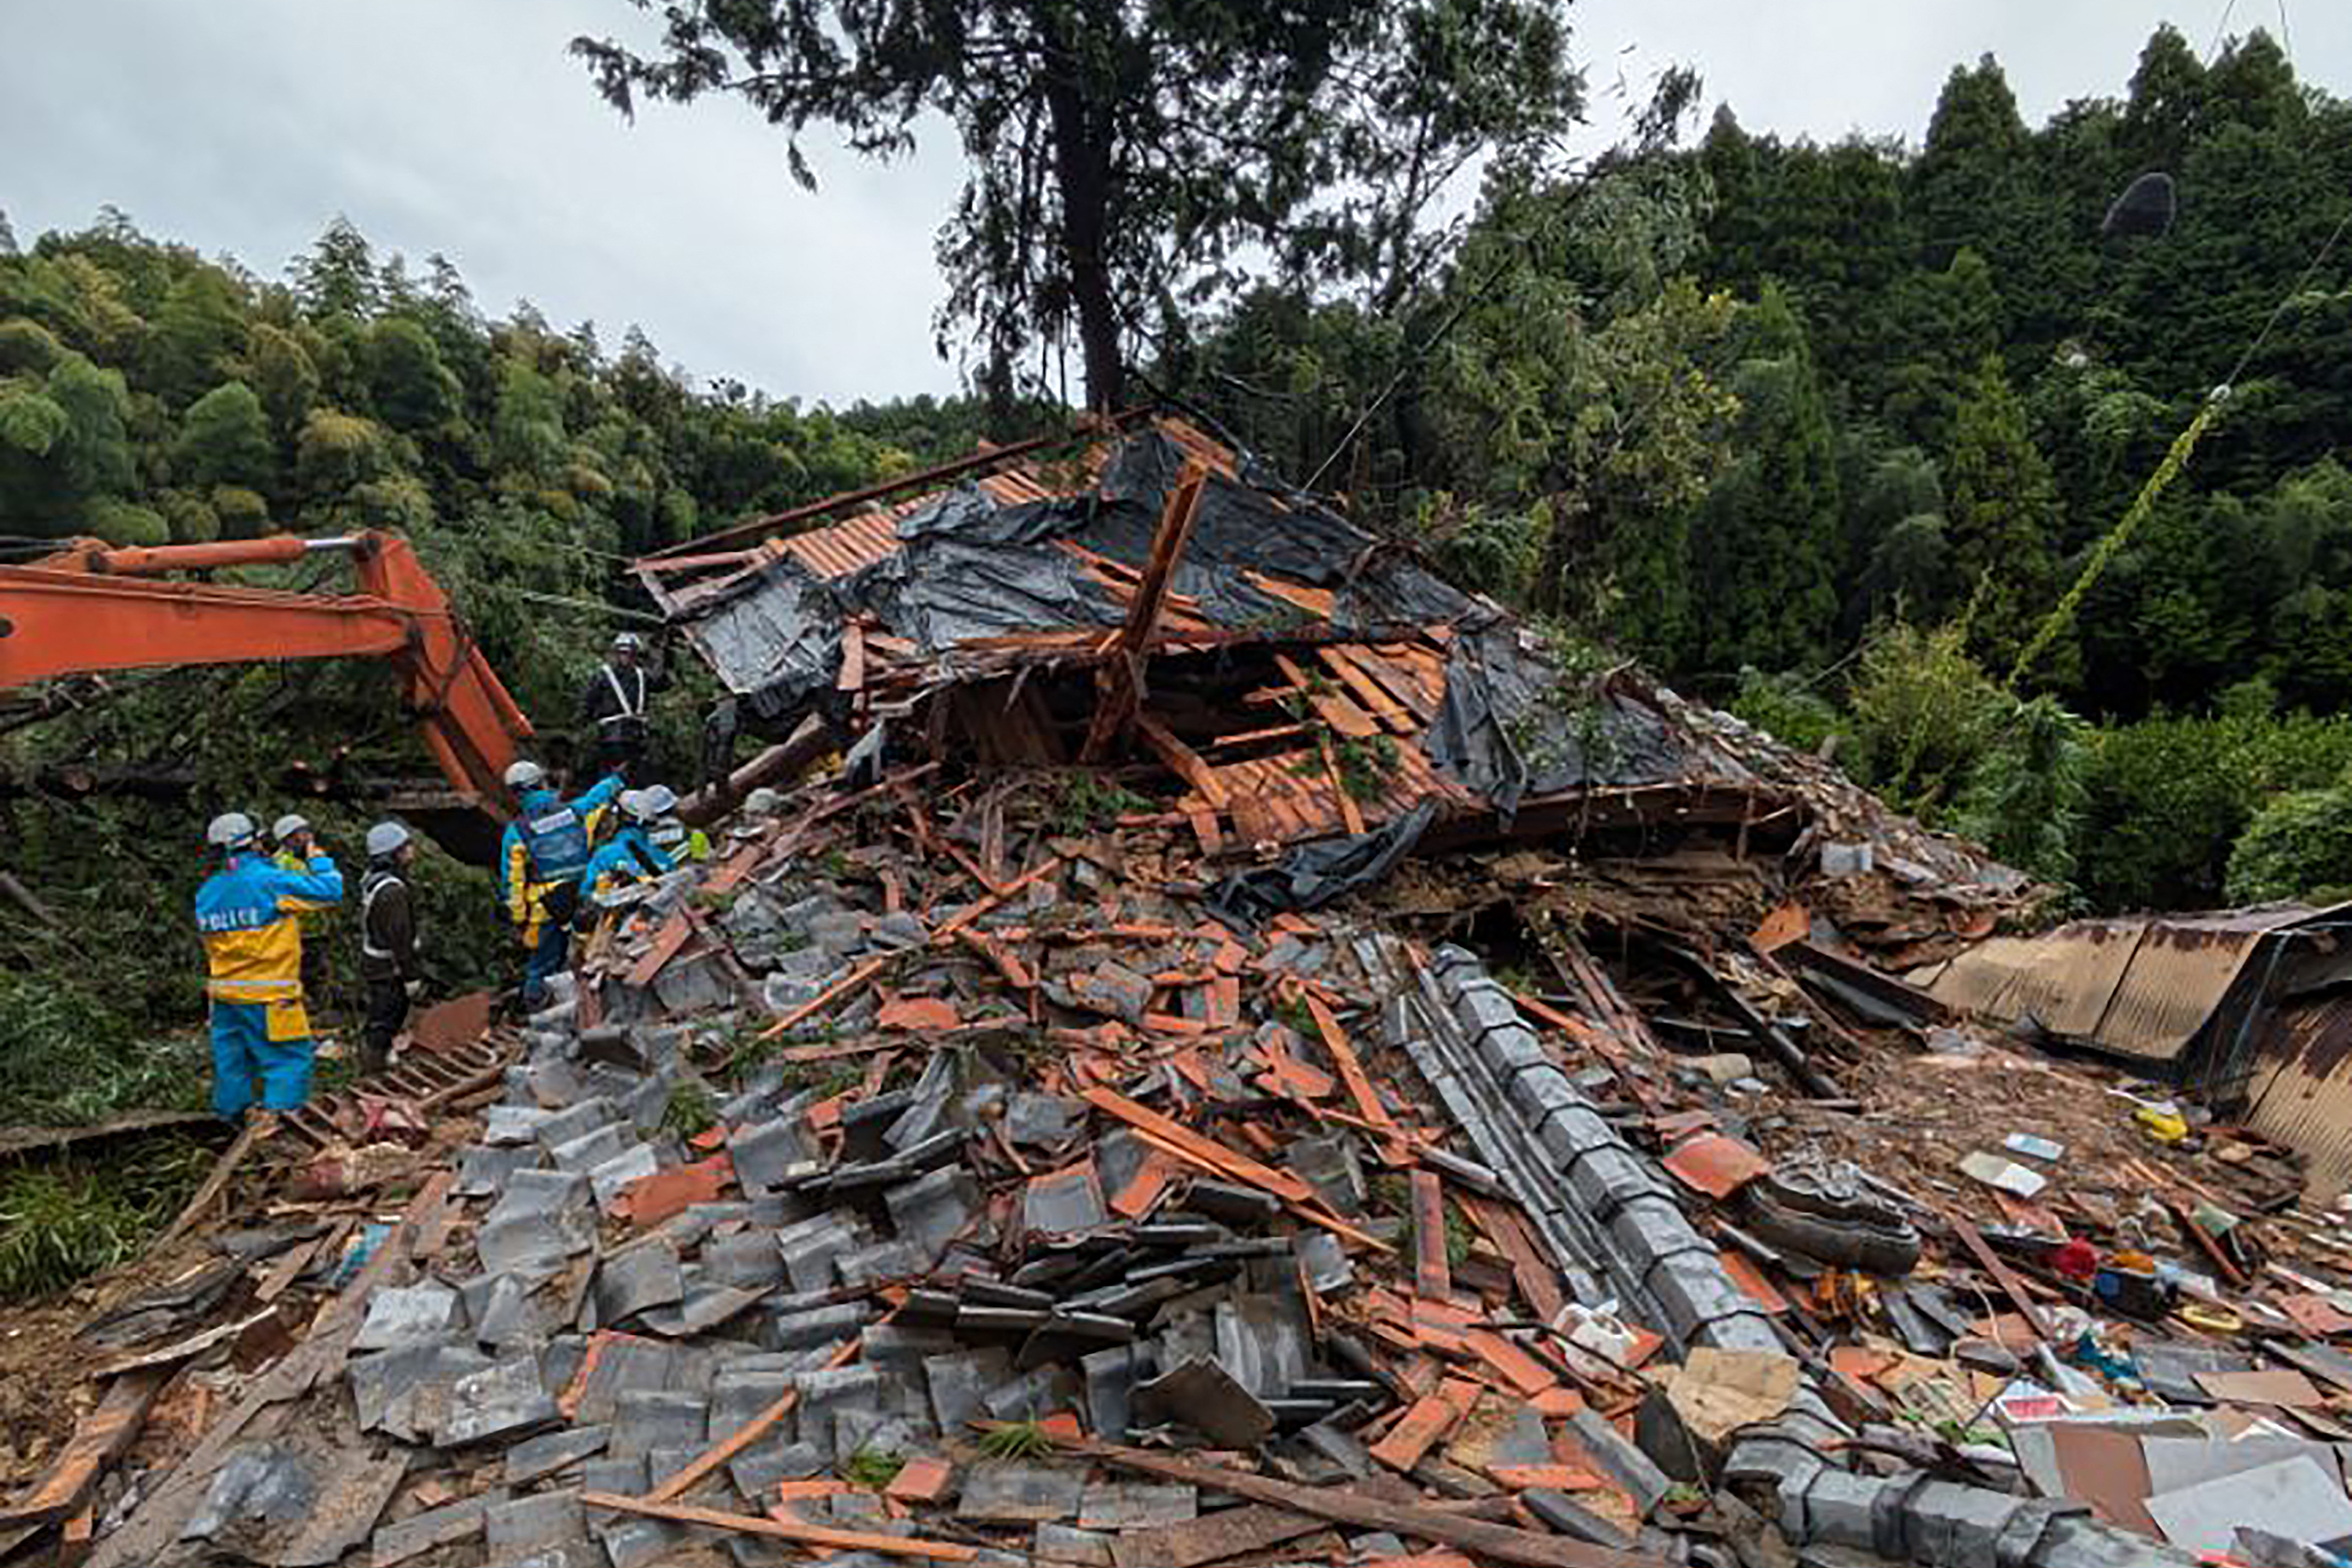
column 1312, row 875
column 1510, row 728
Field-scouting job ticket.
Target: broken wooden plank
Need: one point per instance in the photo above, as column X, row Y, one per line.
column 1360, row 1092
column 98, row 1440
column 1348, row 1505
column 256, row 1129
column 1425, row 1424
column 1211, row 1537
column 784, row 1530
column 2010, row 1284
column 143, row 1537
column 1202, row 1151
column 1182, row 761
column 857, row 977
column 1120, row 686
column 1433, row 1276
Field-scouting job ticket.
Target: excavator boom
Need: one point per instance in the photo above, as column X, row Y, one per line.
column 92, row 608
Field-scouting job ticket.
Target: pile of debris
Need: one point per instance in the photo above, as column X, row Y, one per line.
column 1001, row 1153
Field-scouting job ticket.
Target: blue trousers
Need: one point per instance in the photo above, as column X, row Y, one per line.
column 243, row 1051
column 542, row 958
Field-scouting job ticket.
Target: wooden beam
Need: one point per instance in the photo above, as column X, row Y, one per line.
column 746, row 1434
column 98, row 1440
column 784, row 1530
column 1119, row 683
column 1182, row 761
column 1347, row 1504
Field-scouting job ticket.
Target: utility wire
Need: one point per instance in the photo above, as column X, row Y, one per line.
column 2174, row 459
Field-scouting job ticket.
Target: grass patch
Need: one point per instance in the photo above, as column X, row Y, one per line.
column 871, row 1469
column 1016, row 1440
column 691, row 1113
column 65, row 1219
column 67, row 1061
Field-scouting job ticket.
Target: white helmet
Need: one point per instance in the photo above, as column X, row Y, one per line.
column 287, row 826
column 628, row 642
column 523, row 774
column 632, row 803
column 230, row 830
column 657, row 800
column 386, row 838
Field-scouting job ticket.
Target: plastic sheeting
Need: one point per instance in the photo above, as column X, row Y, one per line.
column 1507, row 729
column 1313, row 875
column 968, row 567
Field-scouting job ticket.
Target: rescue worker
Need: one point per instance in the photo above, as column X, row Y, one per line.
column 540, row 861
column 387, row 943
column 613, row 709
column 292, row 842
column 671, row 834
column 631, row 856
column 245, row 914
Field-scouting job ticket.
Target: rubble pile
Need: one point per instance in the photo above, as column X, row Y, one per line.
column 993, row 1154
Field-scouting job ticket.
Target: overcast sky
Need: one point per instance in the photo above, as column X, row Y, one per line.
column 460, row 126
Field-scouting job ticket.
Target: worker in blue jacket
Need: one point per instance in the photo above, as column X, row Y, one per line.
column 633, row 854
column 541, row 860
column 247, row 913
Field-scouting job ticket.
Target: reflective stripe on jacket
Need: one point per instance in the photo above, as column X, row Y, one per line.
column 522, row 882
column 245, row 914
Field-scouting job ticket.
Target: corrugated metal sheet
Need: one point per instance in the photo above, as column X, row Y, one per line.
column 848, row 547
column 2064, row 981
column 2301, row 1093
column 2141, row 988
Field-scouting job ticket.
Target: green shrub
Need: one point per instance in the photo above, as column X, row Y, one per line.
column 2297, row 847
column 1785, row 707
column 2169, row 797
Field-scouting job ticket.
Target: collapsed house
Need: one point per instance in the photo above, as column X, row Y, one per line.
column 1246, row 1061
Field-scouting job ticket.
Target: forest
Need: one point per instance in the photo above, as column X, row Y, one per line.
column 1850, row 438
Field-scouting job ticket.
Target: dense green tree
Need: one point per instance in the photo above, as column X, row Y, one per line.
column 283, row 377
column 337, row 277
column 1775, row 511
column 408, row 386
column 2001, row 510
column 1119, row 158
column 198, row 337
column 1969, row 187
column 1952, row 319
column 225, row 440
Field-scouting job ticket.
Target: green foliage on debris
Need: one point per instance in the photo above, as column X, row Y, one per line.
column 67, row 1059
column 1016, row 1440
column 1092, row 800
column 689, row 1112
column 65, row 1218
column 872, row 1469
column 2299, row 846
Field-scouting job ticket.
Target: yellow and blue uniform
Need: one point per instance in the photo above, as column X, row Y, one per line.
column 541, row 858
column 629, row 855
column 247, row 914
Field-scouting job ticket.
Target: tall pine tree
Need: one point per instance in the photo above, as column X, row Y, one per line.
column 2001, row 510
column 1765, row 539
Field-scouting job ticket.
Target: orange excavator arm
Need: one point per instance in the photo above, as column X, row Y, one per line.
column 92, row 607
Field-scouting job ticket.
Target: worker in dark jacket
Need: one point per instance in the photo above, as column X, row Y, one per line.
column 616, row 715
column 387, row 943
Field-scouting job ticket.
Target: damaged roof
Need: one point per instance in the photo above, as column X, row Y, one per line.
column 1302, row 676
column 2143, row 986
